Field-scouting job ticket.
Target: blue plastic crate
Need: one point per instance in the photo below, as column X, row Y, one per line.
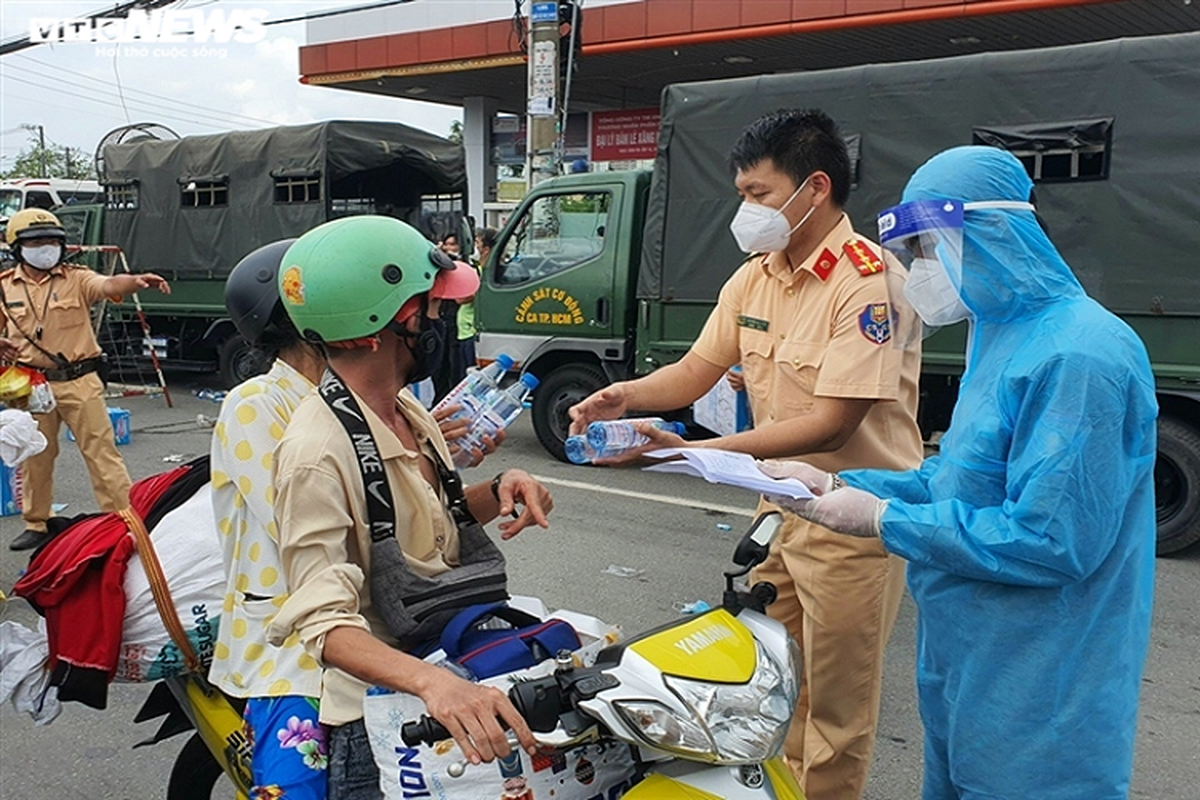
column 119, row 417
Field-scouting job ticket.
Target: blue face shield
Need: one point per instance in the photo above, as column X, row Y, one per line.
column 926, row 237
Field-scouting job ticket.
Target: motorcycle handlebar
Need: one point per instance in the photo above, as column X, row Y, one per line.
column 539, row 701
column 425, row 730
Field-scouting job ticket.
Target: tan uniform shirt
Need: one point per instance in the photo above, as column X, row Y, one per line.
column 823, row 330
column 324, row 539
column 58, row 304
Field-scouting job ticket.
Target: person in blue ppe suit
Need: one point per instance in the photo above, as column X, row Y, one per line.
column 1030, row 537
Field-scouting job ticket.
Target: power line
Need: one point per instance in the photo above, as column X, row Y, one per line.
column 145, row 105
column 150, row 108
column 229, row 114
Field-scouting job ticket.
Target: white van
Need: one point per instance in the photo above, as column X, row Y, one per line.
column 46, row 193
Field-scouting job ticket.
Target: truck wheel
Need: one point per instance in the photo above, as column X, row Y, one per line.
column 1177, row 485
column 558, row 391
column 238, row 361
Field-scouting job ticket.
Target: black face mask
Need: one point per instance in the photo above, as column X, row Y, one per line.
column 428, row 348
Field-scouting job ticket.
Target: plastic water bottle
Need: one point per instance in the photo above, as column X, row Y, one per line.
column 502, row 407
column 579, row 451
column 472, row 391
column 619, row 434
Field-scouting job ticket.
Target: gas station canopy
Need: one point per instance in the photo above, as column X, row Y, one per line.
column 444, row 52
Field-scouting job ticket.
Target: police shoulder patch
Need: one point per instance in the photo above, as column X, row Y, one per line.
column 862, row 257
column 824, row 264
column 875, row 323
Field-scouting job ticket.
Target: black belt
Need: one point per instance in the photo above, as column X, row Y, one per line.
column 73, row 370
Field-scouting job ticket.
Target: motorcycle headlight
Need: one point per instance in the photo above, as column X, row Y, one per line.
column 729, row 723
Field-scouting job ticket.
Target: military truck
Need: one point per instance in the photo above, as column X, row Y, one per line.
column 190, row 208
column 601, row 276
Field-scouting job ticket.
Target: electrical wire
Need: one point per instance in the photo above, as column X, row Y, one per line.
column 120, row 91
column 222, row 125
column 109, row 84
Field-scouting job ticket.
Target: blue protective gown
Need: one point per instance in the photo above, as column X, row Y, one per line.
column 1030, row 538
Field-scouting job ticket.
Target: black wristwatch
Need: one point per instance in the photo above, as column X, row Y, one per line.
column 496, row 485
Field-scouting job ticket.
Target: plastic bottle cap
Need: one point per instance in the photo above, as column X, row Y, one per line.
column 505, row 360
column 529, row 380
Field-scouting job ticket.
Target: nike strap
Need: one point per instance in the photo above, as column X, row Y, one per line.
column 380, row 506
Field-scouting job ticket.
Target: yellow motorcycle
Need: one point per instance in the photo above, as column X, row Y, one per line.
column 705, row 702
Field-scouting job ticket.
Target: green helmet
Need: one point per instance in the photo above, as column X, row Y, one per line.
column 346, row 279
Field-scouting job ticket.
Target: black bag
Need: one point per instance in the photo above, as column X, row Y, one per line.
column 415, row 608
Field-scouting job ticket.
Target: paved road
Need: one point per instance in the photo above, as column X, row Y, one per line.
column 666, row 526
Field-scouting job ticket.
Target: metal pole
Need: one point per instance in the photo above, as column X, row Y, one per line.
column 42, row 148
column 543, row 99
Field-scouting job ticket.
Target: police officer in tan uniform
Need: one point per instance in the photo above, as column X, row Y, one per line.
column 47, row 326
column 811, row 320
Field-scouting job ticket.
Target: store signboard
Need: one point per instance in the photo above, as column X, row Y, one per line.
column 626, row 135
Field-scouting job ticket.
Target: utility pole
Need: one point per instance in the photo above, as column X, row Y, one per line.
column 542, row 105
column 42, row 149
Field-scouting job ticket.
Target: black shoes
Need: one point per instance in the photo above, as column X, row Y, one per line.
column 29, row 540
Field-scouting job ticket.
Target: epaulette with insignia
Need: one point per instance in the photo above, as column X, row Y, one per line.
column 863, row 258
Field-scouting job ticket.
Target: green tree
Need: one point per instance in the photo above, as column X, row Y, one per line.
column 456, row 132
column 60, row 161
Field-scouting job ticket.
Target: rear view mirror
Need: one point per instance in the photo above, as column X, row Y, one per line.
column 756, row 543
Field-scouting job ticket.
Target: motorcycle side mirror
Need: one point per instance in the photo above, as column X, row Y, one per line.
column 756, row 543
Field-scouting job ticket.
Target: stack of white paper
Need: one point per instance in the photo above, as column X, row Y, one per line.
column 731, row 469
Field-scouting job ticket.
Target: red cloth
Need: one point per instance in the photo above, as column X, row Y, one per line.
column 78, row 580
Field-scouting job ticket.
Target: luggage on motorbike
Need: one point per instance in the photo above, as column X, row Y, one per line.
column 492, row 638
column 189, row 550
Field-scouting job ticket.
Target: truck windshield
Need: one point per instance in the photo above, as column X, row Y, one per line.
column 555, row 233
column 10, row 202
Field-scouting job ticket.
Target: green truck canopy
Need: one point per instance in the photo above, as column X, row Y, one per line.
column 193, row 207
column 1110, row 127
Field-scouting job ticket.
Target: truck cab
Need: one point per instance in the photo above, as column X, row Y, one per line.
column 558, row 290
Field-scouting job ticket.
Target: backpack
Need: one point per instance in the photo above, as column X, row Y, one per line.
column 492, row 639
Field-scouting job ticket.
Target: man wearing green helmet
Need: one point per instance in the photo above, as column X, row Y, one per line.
column 379, row 540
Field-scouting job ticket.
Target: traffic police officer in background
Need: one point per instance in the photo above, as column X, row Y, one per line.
column 810, row 318
column 47, row 323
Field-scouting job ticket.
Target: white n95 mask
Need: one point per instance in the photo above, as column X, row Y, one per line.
column 932, row 294
column 760, row 229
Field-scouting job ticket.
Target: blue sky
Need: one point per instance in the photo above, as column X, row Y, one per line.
column 79, row 91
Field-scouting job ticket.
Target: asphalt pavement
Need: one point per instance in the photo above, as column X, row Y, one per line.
column 627, row 546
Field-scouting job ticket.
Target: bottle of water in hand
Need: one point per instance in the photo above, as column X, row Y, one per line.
column 620, row 434
column 500, row 409
column 472, row 391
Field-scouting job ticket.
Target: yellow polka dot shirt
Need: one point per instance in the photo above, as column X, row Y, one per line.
column 252, row 421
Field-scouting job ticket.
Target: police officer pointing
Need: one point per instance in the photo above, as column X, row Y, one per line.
column 47, row 326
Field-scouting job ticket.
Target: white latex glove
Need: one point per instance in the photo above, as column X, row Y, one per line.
column 818, row 481
column 845, row 510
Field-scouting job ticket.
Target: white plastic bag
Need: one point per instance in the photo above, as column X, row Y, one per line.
column 41, row 396
column 600, row 769
column 188, row 547
column 23, row 673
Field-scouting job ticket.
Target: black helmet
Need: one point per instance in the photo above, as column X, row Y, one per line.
column 252, row 298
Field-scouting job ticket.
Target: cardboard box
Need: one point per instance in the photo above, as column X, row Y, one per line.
column 119, row 417
column 10, row 490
